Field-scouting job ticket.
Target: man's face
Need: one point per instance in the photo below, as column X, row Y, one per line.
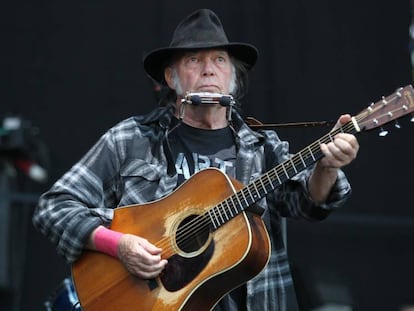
column 201, row 71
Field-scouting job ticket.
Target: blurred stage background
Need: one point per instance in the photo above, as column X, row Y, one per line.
column 72, row 69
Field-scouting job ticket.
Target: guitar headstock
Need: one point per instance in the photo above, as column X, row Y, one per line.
column 389, row 108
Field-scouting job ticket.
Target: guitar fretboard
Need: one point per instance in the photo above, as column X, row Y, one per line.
column 259, row 188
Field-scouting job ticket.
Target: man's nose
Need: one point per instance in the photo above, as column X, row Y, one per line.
column 208, row 68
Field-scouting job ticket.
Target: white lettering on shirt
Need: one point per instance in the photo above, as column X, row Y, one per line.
column 200, row 162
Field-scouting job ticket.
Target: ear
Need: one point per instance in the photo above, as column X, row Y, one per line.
column 168, row 75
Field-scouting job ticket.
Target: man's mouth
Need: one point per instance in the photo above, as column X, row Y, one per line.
column 208, row 88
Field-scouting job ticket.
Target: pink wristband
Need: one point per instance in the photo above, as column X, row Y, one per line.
column 106, row 241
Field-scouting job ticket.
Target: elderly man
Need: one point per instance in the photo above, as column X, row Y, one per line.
column 145, row 158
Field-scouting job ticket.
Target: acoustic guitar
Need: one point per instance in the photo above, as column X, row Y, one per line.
column 212, row 241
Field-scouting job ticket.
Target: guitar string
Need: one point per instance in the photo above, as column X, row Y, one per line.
column 315, row 146
column 193, row 226
column 201, row 222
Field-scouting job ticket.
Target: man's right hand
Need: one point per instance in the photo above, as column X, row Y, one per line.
column 140, row 257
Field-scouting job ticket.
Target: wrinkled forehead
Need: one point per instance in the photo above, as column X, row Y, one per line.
column 179, row 55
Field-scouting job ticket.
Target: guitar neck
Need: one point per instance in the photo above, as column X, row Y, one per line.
column 259, row 188
column 390, row 108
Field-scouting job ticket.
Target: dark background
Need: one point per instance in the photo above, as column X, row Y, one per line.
column 73, row 69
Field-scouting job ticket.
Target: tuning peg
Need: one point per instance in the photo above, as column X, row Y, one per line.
column 397, row 125
column 383, row 132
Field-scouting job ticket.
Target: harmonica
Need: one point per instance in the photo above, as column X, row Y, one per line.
column 208, row 98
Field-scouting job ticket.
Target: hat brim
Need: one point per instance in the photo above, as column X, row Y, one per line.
column 156, row 60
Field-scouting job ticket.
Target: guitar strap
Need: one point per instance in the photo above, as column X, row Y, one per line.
column 256, row 125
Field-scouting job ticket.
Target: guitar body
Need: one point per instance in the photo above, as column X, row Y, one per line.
column 200, row 270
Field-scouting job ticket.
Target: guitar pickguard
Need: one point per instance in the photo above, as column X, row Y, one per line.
column 182, row 270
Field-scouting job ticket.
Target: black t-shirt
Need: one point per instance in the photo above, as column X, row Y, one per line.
column 194, row 149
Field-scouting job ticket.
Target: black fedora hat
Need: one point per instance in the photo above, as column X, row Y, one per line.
column 200, row 30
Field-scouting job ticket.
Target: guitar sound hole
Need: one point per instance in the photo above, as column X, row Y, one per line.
column 192, row 233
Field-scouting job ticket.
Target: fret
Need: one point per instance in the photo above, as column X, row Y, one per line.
column 284, row 169
column 238, row 200
column 230, row 211
column 212, row 219
column 270, row 181
column 225, row 212
column 278, row 178
column 219, row 217
column 301, row 158
column 220, row 214
column 257, row 195
column 293, row 165
column 236, row 211
column 252, row 197
column 298, row 161
column 244, row 197
column 311, row 153
column 249, row 195
column 305, row 158
column 232, row 202
column 263, row 186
